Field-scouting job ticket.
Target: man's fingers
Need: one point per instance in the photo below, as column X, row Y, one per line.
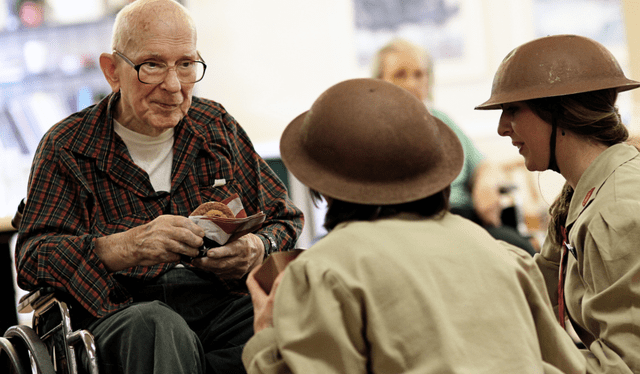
column 219, row 253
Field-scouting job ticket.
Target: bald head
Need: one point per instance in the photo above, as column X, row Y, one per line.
column 137, row 21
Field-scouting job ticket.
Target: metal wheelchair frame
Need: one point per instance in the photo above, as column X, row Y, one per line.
column 50, row 345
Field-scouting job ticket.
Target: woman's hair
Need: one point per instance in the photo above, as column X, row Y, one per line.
column 592, row 115
column 341, row 211
column 401, row 45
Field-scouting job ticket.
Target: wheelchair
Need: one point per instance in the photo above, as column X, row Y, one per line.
column 49, row 345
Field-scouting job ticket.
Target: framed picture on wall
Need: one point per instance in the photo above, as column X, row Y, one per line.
column 450, row 30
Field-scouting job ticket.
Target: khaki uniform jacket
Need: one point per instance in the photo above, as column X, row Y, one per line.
column 412, row 295
column 602, row 286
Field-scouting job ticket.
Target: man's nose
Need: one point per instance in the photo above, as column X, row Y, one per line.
column 171, row 81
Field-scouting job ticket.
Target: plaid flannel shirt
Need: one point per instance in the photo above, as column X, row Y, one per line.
column 84, row 185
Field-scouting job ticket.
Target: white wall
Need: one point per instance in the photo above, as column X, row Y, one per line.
column 269, row 60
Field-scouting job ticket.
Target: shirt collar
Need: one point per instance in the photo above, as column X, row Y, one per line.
column 94, row 133
column 95, row 130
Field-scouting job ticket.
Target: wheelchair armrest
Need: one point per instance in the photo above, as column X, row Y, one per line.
column 31, row 301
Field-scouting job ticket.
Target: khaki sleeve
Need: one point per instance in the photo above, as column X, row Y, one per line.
column 261, row 355
column 316, row 320
column 559, row 353
column 611, row 301
column 548, row 261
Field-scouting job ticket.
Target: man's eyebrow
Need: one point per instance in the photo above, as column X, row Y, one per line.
column 157, row 56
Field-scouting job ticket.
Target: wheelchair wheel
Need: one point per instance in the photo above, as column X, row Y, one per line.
column 11, row 361
column 24, row 352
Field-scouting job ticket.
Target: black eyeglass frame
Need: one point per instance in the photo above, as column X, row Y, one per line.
column 137, row 67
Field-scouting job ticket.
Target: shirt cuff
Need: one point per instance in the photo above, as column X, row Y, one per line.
column 262, row 343
column 269, row 244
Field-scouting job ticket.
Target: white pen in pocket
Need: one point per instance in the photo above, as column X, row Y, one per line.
column 219, row 183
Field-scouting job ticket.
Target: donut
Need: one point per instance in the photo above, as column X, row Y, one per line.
column 213, row 209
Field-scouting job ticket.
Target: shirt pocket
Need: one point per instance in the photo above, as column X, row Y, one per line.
column 216, row 179
column 618, row 231
column 120, row 209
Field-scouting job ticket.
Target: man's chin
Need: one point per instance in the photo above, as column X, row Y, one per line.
column 163, row 123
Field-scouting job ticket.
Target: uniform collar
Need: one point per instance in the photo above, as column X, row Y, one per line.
column 595, row 176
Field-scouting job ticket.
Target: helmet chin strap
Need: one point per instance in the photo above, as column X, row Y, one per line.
column 553, row 164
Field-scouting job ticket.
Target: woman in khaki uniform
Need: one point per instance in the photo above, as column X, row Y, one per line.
column 557, row 96
column 399, row 284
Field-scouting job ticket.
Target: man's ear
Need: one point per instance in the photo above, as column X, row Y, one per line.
column 108, row 66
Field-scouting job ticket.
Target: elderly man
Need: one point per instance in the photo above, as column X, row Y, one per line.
column 109, row 194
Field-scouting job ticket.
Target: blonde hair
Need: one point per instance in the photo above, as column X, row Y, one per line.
column 402, row 45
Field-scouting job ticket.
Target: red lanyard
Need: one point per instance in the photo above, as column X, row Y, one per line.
column 563, row 270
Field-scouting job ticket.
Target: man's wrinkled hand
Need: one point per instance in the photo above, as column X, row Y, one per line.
column 160, row 241
column 235, row 259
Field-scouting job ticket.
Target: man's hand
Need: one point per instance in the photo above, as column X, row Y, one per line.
column 235, row 259
column 162, row 240
column 262, row 303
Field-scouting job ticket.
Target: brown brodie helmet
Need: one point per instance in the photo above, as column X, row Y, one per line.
column 368, row 141
column 555, row 66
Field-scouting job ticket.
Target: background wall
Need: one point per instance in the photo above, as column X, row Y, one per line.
column 632, row 25
column 270, row 59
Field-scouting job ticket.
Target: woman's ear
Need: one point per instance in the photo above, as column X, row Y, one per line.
column 108, row 66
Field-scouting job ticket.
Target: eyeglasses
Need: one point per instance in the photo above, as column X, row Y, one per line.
column 188, row 71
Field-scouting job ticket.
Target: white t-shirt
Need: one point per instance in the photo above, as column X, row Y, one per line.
column 154, row 154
